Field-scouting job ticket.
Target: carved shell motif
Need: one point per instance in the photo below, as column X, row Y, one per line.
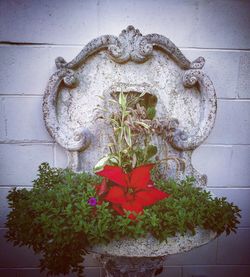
column 130, row 45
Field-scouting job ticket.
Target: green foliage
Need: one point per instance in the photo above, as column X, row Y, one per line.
column 151, row 112
column 131, row 133
column 55, row 219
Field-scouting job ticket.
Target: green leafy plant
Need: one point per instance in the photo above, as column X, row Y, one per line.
column 61, row 217
column 134, row 125
column 66, row 213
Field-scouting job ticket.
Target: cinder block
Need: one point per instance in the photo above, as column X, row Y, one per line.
column 171, row 272
column 61, row 158
column 32, row 272
column 234, row 249
column 225, row 166
column 243, row 86
column 24, row 69
column 222, row 68
column 195, row 21
column 92, row 272
column 4, row 210
column 239, row 168
column 214, row 162
column 12, row 257
column 239, row 197
column 89, row 272
column 10, row 272
column 23, row 120
column 67, row 52
column 232, row 124
column 216, row 271
column 223, row 24
column 49, row 21
column 162, row 17
column 23, row 257
column 19, row 162
column 3, row 125
column 205, row 254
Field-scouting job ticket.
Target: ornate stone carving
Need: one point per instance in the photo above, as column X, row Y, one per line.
column 130, row 45
column 130, row 62
column 184, row 141
column 145, row 256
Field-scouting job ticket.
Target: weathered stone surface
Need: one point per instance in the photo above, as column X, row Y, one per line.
column 128, row 63
column 150, row 247
column 116, row 266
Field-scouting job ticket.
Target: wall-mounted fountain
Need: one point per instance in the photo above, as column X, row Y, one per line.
column 131, row 63
column 175, row 106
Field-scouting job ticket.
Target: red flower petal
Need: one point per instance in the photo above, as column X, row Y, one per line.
column 134, row 207
column 150, row 196
column 140, row 176
column 115, row 174
column 116, row 195
column 97, row 188
column 100, row 202
column 103, row 187
column 118, row 209
column 132, row 216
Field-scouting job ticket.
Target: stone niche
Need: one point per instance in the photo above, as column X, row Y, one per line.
column 131, row 63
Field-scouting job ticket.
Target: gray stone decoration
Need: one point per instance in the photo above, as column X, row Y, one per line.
column 151, row 64
column 129, row 63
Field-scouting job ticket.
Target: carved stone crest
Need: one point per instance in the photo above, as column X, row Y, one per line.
column 130, row 45
column 130, row 63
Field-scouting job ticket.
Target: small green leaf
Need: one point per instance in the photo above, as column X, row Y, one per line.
column 151, row 111
column 146, row 126
column 127, row 136
column 151, row 151
column 100, row 164
column 122, row 100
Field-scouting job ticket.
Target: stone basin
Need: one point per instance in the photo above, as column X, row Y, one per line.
column 151, row 247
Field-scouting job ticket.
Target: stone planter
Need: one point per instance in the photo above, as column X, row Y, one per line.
column 132, row 63
column 145, row 256
column 120, row 266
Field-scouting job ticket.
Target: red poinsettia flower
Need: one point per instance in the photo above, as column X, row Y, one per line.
column 130, row 191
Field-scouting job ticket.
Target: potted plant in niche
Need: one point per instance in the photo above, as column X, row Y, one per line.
column 128, row 208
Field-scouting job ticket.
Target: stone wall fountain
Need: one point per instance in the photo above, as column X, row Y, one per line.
column 131, row 63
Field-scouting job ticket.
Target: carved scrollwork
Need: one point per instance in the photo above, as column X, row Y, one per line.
column 183, row 141
column 72, row 141
column 130, row 45
column 198, row 63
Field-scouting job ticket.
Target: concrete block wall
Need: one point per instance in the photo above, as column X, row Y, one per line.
column 33, row 33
